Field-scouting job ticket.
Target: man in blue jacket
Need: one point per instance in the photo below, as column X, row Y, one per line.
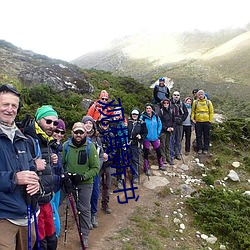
column 17, row 178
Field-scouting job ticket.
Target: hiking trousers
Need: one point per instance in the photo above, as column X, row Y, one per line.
column 82, row 196
column 15, row 237
column 187, row 133
column 203, row 135
column 165, row 145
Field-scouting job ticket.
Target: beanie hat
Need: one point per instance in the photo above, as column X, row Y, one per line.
column 104, row 94
column 45, row 110
column 87, row 118
column 188, row 98
column 149, row 104
column 165, row 100
column 61, row 125
column 9, row 88
column 201, row 92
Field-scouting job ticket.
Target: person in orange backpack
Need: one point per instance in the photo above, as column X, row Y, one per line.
column 97, row 106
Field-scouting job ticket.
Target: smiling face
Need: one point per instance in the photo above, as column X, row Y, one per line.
column 88, row 125
column 48, row 124
column 9, row 103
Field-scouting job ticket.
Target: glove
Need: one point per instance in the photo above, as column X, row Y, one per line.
column 76, row 178
column 67, row 184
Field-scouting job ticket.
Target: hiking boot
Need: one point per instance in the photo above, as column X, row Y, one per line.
column 136, row 180
column 205, row 152
column 94, row 220
column 119, row 185
column 178, row 157
column 85, row 242
column 199, row 151
column 147, row 172
column 106, row 208
column 161, row 164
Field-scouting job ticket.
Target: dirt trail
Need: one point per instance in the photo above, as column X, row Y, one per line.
column 110, row 223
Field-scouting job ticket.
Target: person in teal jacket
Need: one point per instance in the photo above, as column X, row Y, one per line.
column 154, row 126
column 81, row 162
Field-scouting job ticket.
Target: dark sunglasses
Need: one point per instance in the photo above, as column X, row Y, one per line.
column 134, row 114
column 57, row 131
column 49, row 121
column 78, row 132
column 176, row 95
column 104, row 99
column 105, row 123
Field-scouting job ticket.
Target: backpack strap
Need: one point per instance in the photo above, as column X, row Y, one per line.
column 36, row 146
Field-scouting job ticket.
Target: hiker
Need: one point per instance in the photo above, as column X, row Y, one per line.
column 96, row 107
column 81, row 163
column 167, row 119
column 137, row 131
column 180, row 114
column 57, row 169
column 154, row 127
column 108, row 143
column 93, row 134
column 18, row 179
column 161, row 92
column 187, row 125
column 118, row 122
column 39, row 133
column 194, row 93
column 202, row 116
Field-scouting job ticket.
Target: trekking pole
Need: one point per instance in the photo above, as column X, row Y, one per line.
column 36, row 229
column 104, row 183
column 172, row 153
column 75, row 217
column 29, row 222
column 66, row 222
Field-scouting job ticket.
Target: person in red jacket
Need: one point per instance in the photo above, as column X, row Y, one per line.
column 96, row 107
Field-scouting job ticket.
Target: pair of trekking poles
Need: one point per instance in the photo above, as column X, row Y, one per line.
column 76, row 218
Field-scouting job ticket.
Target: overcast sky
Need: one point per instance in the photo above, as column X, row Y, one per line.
column 66, row 29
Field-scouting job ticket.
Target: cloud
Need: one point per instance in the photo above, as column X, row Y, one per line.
column 67, row 29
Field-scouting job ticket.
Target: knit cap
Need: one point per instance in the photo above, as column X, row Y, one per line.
column 45, row 110
column 87, row 118
column 61, row 125
column 188, row 98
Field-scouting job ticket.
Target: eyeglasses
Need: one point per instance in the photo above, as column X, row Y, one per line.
column 49, row 121
column 104, row 99
column 105, row 123
column 78, row 132
column 176, row 95
column 134, row 114
column 57, row 131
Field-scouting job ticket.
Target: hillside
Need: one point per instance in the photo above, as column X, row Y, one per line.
column 140, row 54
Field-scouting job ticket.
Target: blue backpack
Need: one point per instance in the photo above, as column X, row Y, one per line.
column 66, row 147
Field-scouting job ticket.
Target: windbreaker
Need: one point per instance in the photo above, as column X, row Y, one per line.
column 14, row 157
column 76, row 160
column 154, row 126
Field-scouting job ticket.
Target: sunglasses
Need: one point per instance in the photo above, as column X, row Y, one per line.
column 134, row 114
column 57, row 131
column 176, row 95
column 105, row 123
column 78, row 132
column 104, row 99
column 49, row 121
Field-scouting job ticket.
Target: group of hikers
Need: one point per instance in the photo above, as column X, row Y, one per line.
column 40, row 168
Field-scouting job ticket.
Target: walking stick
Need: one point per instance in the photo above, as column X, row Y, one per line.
column 29, row 222
column 66, row 222
column 75, row 217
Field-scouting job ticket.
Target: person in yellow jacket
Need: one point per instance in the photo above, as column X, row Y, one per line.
column 202, row 117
